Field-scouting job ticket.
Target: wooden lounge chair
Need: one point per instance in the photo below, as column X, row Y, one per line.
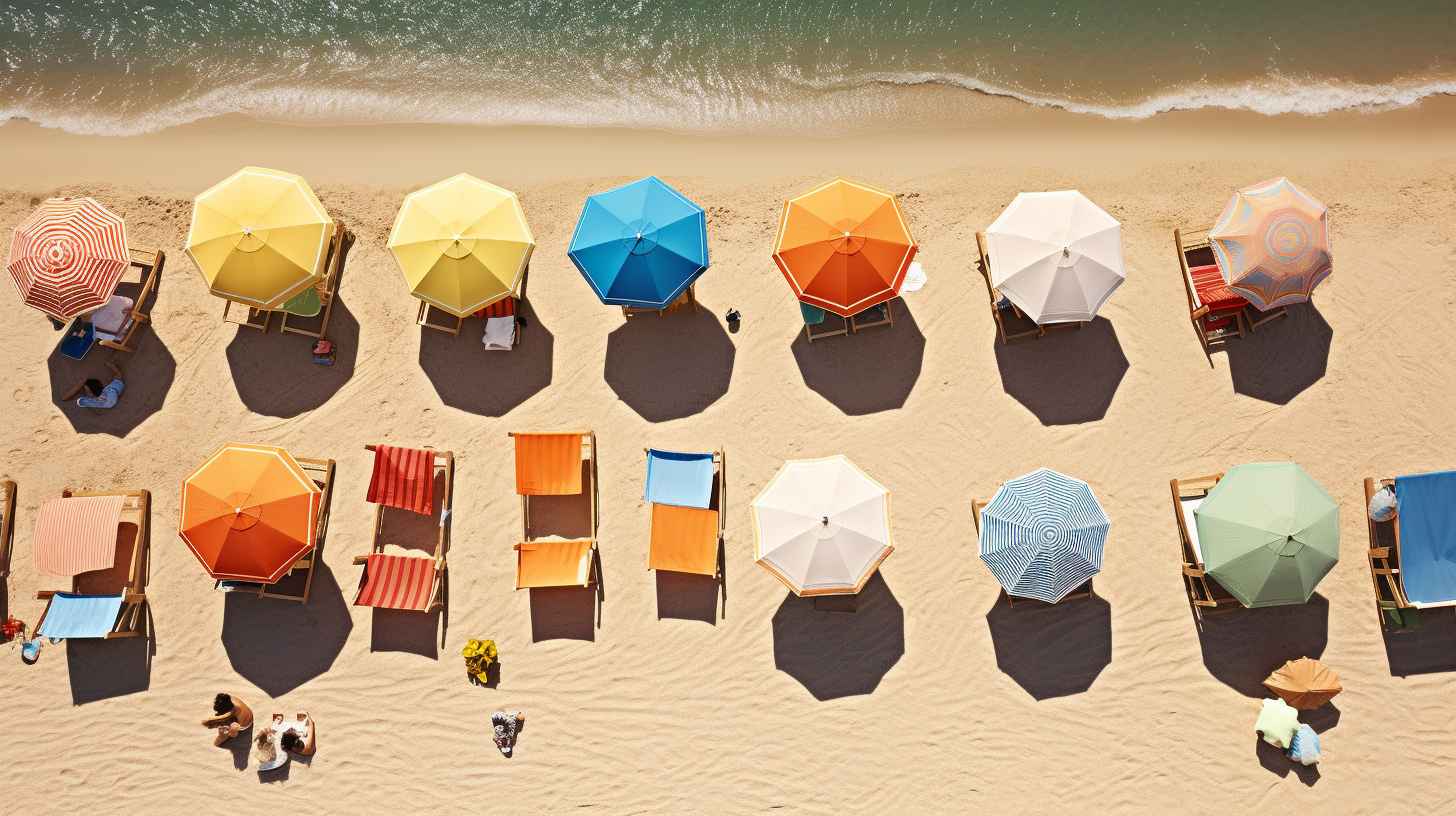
column 689, row 537
column 451, row 324
column 814, row 320
column 1204, row 594
column 554, row 464
column 118, row 593
column 398, row 581
column 688, row 298
column 298, row 582
column 1011, row 322
column 1394, row 610
column 7, row 526
column 1218, row 313
column 1083, row 591
column 317, row 302
column 881, row 314
column 149, row 266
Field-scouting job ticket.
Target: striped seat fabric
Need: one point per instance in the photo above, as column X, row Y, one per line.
column 397, row 582
column 1213, row 292
column 1042, row 535
column 404, row 478
column 548, row 464
column 77, row 534
column 505, row 307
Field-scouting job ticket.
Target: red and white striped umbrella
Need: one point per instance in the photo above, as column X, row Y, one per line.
column 68, row 256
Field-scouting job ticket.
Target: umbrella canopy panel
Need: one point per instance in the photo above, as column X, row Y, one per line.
column 1268, row 533
column 1272, row 243
column 844, row 247
column 822, row 526
column 1056, row 255
column 249, row 512
column 1042, row 535
column 642, row 244
column 67, row 256
column 462, row 244
column 259, row 237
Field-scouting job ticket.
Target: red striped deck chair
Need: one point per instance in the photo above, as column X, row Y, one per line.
column 7, row 526
column 1218, row 313
column 102, row 541
column 404, row 478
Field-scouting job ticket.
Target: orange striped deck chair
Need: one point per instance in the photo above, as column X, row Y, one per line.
column 7, row 526
column 404, row 478
column 555, row 464
column 101, row 540
column 686, row 511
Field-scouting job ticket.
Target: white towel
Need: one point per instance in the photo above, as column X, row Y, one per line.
column 499, row 332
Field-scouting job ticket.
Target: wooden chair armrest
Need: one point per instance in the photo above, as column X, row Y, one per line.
column 135, row 597
column 45, row 594
column 1199, row 312
column 1192, row 572
column 1379, row 552
column 360, row 560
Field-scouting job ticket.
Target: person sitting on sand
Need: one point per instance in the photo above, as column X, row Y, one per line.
column 99, row 395
column 233, row 717
column 294, row 742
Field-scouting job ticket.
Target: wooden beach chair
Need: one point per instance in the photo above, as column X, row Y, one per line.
column 7, row 526
column 298, row 582
column 108, row 603
column 687, row 494
column 688, row 299
column 452, row 325
column 405, row 479
column 315, row 302
column 815, row 319
column 556, row 464
column 1083, row 591
column 1217, row 312
column 881, row 314
column 1204, row 594
column 1394, row 610
column 1011, row 322
column 149, row 268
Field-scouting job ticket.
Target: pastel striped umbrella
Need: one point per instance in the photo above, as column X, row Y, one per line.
column 1272, row 243
column 68, row 256
column 1042, row 535
column 844, row 246
column 642, row 244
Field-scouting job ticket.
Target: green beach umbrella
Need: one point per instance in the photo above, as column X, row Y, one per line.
column 1269, row 533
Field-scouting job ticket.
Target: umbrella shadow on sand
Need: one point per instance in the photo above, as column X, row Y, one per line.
column 1282, row 358
column 148, row 374
column 1052, row 650
column 1428, row 650
column 872, row 370
column 669, row 367
column 279, row 645
column 275, row 373
column 1243, row 646
column 488, row 383
column 837, row 654
column 1067, row 377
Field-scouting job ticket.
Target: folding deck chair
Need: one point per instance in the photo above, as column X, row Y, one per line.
column 1204, row 594
column 814, row 320
column 102, row 539
column 315, row 301
column 121, row 334
column 1217, row 312
column 404, row 478
column 298, row 582
column 7, row 526
column 688, row 299
column 1408, row 555
column 687, row 512
column 1395, row 612
column 551, row 464
column 1003, row 311
column 1083, row 591
column 499, row 317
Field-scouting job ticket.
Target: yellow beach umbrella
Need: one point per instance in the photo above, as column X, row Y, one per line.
column 462, row 244
column 259, row 237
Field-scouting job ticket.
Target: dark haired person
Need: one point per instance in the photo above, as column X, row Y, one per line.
column 233, row 717
column 98, row 394
column 296, row 737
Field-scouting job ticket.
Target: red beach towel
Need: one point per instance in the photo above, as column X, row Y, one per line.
column 404, row 478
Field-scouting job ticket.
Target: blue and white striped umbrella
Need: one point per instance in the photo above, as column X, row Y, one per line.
column 1042, row 535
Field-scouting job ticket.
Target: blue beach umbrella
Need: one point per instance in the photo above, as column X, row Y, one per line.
column 1042, row 535
column 642, row 244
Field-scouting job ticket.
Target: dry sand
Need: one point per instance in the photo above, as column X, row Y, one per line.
column 932, row 697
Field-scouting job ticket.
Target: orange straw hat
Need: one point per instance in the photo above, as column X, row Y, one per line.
column 249, row 512
column 844, row 247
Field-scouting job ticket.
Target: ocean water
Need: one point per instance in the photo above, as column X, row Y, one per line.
column 132, row 66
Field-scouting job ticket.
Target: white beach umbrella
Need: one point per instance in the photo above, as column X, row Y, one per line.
column 822, row 526
column 1056, row 255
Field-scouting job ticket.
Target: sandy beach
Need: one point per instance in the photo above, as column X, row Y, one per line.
column 932, row 697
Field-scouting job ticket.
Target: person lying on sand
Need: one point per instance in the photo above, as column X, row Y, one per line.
column 98, row 394
column 294, row 742
column 233, row 717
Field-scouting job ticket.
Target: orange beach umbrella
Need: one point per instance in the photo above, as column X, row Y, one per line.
column 844, row 247
column 1304, row 683
column 249, row 512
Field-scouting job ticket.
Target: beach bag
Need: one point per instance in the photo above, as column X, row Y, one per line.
column 1383, row 505
column 1305, row 747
